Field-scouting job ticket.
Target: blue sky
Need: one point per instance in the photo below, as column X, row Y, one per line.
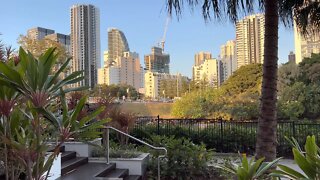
column 142, row 21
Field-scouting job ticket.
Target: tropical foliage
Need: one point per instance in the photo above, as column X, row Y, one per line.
column 308, row 160
column 249, row 170
column 34, row 112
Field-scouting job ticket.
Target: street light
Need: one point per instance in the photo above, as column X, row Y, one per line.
column 164, row 94
column 128, row 95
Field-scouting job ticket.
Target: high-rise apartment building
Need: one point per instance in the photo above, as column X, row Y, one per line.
column 228, row 57
column 157, row 61
column 250, row 40
column 130, row 71
column 109, row 75
column 117, row 44
column 305, row 45
column 60, row 38
column 120, row 65
column 106, row 59
column 200, row 57
column 85, row 42
column 38, row 33
column 291, row 57
column 208, row 71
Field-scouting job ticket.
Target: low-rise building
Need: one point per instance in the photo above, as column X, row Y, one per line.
column 155, row 87
column 125, row 69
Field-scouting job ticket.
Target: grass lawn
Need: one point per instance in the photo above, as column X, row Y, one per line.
column 148, row 109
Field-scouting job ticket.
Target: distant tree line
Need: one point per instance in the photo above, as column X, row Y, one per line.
column 238, row 98
column 116, row 91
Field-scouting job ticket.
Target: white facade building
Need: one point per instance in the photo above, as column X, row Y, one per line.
column 125, row 70
column 208, row 71
column 152, row 84
column 305, row 45
column 228, row 57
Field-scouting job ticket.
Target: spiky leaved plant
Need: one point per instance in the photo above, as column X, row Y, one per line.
column 36, row 120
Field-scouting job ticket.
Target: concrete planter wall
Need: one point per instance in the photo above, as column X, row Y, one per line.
column 136, row 166
column 82, row 149
column 55, row 171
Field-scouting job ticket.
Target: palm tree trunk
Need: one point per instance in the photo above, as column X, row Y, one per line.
column 267, row 126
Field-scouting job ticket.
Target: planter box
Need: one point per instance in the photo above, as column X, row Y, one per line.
column 136, row 166
column 82, row 149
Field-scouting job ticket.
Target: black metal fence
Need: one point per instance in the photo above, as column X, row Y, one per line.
column 225, row 136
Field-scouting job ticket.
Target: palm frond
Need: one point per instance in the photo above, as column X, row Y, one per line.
column 231, row 9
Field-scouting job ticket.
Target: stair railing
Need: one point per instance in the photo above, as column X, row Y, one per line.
column 107, row 128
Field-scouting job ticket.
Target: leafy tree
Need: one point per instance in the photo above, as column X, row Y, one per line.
column 6, row 52
column 237, row 98
column 310, row 69
column 287, row 75
column 304, row 12
column 245, row 79
column 38, row 47
column 190, row 106
column 116, row 91
column 299, row 89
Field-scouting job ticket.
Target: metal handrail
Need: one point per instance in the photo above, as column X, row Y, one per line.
column 136, row 139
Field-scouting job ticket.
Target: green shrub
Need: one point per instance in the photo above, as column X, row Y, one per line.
column 236, row 137
column 117, row 151
column 184, row 160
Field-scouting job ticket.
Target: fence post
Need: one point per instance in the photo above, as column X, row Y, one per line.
column 221, row 134
column 293, row 129
column 158, row 126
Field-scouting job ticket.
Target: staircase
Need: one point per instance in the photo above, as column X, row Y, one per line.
column 76, row 168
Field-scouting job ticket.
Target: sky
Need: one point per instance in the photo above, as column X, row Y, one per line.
column 142, row 22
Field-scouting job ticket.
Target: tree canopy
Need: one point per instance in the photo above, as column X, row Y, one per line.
column 237, row 98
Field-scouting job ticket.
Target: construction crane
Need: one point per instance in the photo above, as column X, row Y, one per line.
column 163, row 40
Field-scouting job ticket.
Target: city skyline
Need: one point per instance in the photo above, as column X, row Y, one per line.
column 143, row 23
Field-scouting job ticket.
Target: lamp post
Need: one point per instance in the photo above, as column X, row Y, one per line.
column 128, row 93
column 164, row 94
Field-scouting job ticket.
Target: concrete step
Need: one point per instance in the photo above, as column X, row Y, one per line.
column 133, row 177
column 106, row 171
column 62, row 149
column 72, row 164
column 68, row 155
column 114, row 175
column 88, row 171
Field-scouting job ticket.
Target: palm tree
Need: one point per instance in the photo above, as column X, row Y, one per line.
column 305, row 12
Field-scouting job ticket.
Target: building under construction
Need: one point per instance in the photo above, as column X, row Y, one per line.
column 157, row 61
